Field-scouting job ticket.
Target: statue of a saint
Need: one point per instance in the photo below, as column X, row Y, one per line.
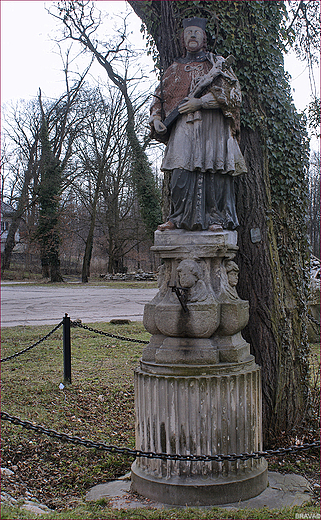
column 202, row 150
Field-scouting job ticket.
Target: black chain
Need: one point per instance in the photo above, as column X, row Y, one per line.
column 78, row 324
column 34, row 345
column 151, row 455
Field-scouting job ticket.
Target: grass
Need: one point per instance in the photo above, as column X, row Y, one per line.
column 98, row 405
column 102, row 511
column 91, row 283
column 20, row 274
column 27, row 277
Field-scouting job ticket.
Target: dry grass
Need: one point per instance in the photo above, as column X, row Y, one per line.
column 99, row 405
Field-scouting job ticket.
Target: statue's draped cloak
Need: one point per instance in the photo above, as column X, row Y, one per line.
column 201, row 144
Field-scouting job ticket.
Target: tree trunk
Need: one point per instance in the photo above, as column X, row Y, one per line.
column 90, row 241
column 85, row 273
column 111, row 259
column 49, row 193
column 55, row 274
column 142, row 175
column 257, row 282
column 22, row 205
column 271, row 198
column 10, row 243
column 45, row 268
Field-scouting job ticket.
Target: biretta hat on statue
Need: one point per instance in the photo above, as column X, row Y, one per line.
column 197, row 22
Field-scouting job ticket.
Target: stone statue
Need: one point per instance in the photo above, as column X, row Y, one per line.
column 202, row 153
column 197, row 387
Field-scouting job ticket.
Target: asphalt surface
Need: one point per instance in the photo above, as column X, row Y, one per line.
column 23, row 304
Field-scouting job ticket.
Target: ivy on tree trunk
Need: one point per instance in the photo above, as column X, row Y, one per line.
column 48, row 198
column 271, row 197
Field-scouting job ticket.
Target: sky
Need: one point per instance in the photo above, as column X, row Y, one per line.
column 30, row 59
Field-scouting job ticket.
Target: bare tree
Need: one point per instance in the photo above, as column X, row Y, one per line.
column 22, row 130
column 60, row 125
column 81, row 21
column 104, row 184
column 41, row 134
column 97, row 154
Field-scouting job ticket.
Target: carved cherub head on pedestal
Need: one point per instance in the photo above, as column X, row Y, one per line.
column 232, row 272
column 189, row 275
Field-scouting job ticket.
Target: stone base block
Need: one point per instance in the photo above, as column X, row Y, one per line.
column 200, row 491
column 232, row 349
column 200, row 410
column 186, row 350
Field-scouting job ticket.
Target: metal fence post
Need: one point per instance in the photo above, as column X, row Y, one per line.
column 67, row 349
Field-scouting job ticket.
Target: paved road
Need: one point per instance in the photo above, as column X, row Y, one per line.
column 37, row 305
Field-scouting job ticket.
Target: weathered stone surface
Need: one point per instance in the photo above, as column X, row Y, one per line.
column 180, row 237
column 199, row 491
column 7, row 472
column 112, row 489
column 198, row 389
column 234, row 317
column 200, row 321
column 187, row 351
column 200, row 265
column 216, row 411
column 282, row 491
column 27, row 505
column 231, row 349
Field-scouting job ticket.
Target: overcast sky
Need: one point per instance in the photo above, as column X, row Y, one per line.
column 29, row 58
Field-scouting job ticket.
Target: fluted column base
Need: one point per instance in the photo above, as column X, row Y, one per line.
column 198, row 491
column 201, row 410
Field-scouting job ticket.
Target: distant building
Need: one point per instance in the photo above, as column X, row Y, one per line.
column 7, row 213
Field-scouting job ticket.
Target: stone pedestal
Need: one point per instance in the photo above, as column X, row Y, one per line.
column 198, row 388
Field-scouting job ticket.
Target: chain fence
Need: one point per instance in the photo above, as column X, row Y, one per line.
column 108, row 334
column 78, row 324
column 133, row 452
column 74, row 324
column 153, row 455
column 34, row 345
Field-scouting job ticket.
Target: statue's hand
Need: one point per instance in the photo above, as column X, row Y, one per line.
column 160, row 128
column 190, row 105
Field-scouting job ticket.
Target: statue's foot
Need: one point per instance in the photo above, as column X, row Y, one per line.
column 167, row 226
column 216, row 228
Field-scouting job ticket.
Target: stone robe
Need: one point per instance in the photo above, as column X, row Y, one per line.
column 202, row 151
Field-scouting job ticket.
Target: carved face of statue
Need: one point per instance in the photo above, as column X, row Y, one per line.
column 186, row 274
column 233, row 277
column 193, row 38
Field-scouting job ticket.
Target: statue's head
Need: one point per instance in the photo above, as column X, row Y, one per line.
column 232, row 272
column 194, row 36
column 188, row 273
